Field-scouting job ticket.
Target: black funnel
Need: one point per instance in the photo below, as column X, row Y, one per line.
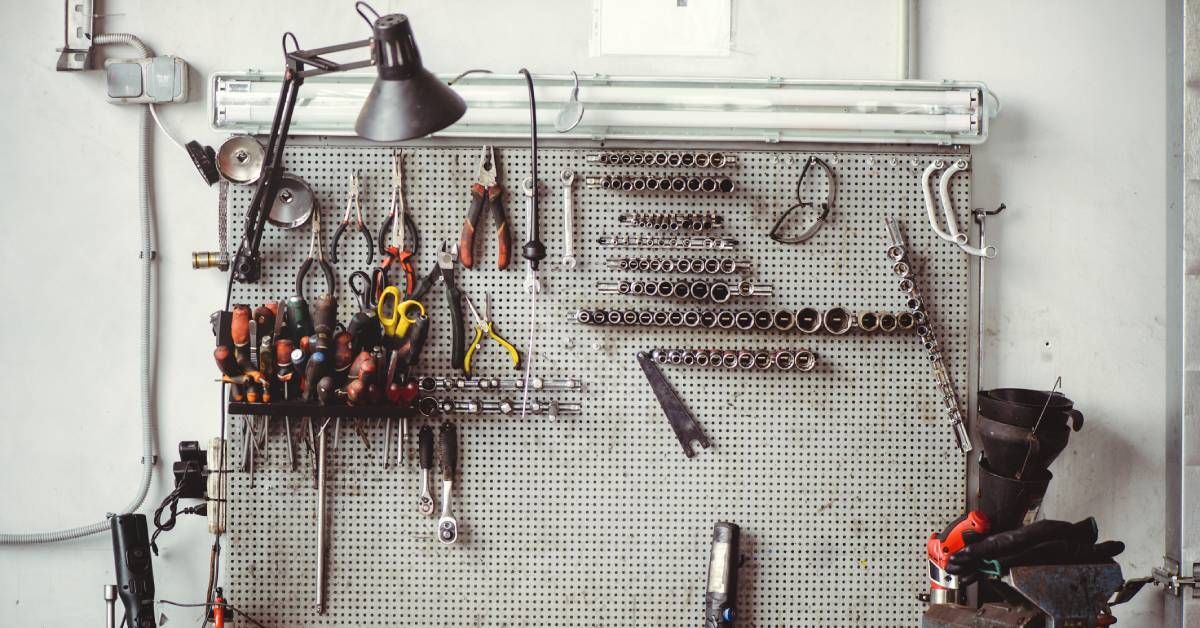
column 1009, row 503
column 1022, row 431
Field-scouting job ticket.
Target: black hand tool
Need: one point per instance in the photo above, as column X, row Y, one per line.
column 687, row 430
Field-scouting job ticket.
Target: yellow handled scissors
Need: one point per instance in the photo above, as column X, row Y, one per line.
column 484, row 327
column 396, row 315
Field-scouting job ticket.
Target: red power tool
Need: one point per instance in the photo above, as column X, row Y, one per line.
column 943, row 587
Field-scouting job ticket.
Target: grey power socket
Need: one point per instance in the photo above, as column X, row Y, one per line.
column 158, row 79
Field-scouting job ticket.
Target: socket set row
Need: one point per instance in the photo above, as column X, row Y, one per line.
column 784, row 359
column 897, row 253
column 432, row 383
column 694, row 243
column 672, row 221
column 696, row 290
column 674, row 183
column 685, row 265
column 434, row 406
column 663, row 158
column 808, row 320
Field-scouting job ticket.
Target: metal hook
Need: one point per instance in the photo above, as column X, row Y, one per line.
column 981, row 213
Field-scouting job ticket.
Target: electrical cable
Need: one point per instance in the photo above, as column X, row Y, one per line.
column 148, row 327
column 211, row 605
column 172, row 501
column 163, row 128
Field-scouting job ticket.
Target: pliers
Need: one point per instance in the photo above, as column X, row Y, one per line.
column 486, row 191
column 400, row 224
column 484, row 327
column 315, row 254
column 444, row 270
column 353, row 202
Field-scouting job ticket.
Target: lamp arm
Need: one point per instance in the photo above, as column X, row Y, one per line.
column 247, row 264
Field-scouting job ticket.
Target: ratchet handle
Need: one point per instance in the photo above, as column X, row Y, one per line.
column 466, row 239
column 495, row 199
column 425, row 447
column 449, row 435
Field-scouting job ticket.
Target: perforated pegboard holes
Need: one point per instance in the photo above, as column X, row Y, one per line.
column 835, row 476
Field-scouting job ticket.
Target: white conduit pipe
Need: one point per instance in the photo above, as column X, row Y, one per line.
column 145, row 137
column 903, row 38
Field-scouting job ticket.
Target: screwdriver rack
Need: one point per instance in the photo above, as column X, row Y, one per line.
column 836, row 477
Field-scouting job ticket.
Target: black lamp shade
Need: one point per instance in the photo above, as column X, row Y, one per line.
column 406, row 101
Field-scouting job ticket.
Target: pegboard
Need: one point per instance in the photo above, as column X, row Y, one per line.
column 836, row 476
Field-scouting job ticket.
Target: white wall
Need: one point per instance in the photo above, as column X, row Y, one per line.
column 1078, row 155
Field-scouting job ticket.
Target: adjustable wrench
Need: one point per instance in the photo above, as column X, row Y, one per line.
column 425, row 447
column 568, row 258
column 687, row 430
column 447, row 526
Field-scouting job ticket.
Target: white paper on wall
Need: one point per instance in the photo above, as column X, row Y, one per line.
column 662, row 27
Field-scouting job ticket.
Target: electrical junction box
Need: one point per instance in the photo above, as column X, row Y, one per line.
column 158, row 79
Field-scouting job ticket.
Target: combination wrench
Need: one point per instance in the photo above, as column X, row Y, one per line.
column 568, row 179
column 447, row 525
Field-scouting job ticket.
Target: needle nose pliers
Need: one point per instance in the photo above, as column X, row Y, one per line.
column 484, row 327
column 403, row 230
column 486, row 191
column 353, row 204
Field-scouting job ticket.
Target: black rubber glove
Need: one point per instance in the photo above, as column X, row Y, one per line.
column 1041, row 543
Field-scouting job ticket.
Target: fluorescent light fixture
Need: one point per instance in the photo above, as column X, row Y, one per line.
column 644, row 108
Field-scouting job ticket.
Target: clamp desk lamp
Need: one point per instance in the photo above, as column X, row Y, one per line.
column 406, row 101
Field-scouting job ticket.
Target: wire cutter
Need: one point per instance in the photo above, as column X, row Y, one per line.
column 401, row 225
column 315, row 254
column 486, row 191
column 444, row 270
column 353, row 202
column 484, row 327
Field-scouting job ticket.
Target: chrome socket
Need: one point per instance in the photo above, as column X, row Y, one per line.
column 888, row 322
column 744, row 320
column 784, row 320
column 691, row 318
column 745, row 360
column 837, row 321
column 764, row 320
column 785, row 360
column 809, row 320
column 905, row 320
column 869, row 321
column 719, row 292
column 725, row 319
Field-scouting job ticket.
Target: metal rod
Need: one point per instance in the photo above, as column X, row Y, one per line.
column 322, row 526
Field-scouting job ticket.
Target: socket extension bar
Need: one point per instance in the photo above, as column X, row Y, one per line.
column 688, row 109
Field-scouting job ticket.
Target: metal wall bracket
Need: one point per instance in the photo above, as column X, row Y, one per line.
column 1170, row 578
column 76, row 53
